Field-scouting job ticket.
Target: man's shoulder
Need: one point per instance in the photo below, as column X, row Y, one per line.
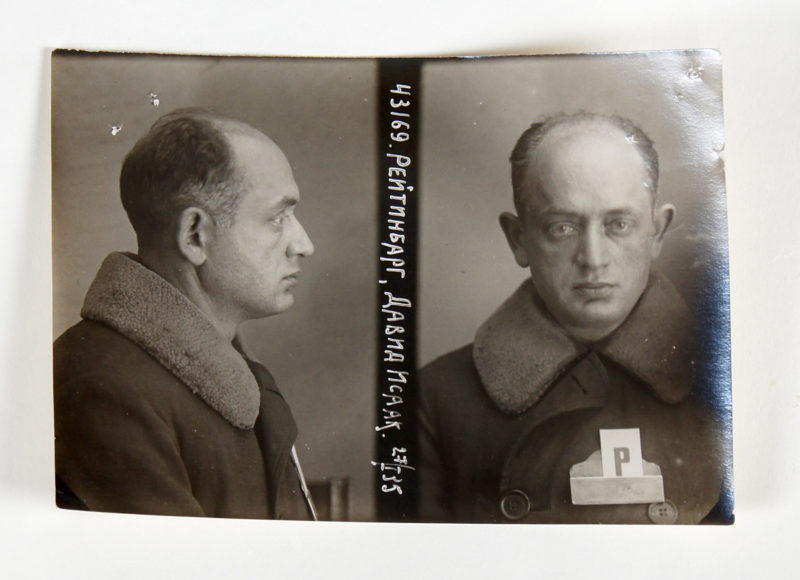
column 88, row 345
column 452, row 374
column 452, row 363
column 93, row 360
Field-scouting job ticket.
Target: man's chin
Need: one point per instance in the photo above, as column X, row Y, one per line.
column 285, row 303
column 598, row 315
column 278, row 306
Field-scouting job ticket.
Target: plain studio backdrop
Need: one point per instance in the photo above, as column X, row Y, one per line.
column 322, row 114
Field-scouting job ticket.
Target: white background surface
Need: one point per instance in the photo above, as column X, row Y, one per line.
column 761, row 92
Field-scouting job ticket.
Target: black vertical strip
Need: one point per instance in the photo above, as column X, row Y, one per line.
column 399, row 95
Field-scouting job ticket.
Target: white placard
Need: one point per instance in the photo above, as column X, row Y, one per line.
column 621, row 451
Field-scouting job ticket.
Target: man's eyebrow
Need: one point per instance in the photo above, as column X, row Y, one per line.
column 627, row 210
column 284, row 203
column 554, row 211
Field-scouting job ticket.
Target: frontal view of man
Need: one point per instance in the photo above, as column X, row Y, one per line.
column 595, row 340
column 157, row 409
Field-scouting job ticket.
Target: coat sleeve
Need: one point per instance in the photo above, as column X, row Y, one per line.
column 117, row 452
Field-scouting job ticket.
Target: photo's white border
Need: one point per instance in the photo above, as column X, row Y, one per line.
column 761, row 122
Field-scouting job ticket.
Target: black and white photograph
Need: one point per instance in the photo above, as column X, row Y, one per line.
column 401, row 290
column 212, row 286
column 574, row 322
column 219, row 246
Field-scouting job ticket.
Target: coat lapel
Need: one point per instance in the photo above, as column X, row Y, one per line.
column 520, row 350
column 148, row 310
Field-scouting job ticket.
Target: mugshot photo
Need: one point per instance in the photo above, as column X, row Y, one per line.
column 216, row 275
column 211, row 288
column 573, row 322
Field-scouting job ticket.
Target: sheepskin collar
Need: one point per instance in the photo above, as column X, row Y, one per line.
column 520, row 350
column 142, row 306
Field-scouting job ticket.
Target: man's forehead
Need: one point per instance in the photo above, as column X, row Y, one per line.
column 574, row 134
column 256, row 154
column 267, row 184
column 579, row 159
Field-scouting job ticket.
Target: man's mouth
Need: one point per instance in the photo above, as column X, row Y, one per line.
column 594, row 289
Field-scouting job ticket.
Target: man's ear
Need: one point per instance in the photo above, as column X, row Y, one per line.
column 195, row 231
column 514, row 231
column 662, row 218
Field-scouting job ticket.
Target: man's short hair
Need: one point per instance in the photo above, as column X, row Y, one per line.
column 533, row 136
column 184, row 160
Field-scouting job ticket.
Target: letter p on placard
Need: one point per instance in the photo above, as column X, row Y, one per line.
column 621, row 452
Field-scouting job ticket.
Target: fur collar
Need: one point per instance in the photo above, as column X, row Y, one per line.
column 145, row 308
column 520, row 350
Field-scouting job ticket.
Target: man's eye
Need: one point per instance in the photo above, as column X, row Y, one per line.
column 620, row 226
column 561, row 230
column 278, row 220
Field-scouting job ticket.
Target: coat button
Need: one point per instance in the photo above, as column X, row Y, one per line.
column 662, row 513
column 515, row 504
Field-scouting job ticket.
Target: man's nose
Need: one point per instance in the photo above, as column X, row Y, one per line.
column 300, row 244
column 593, row 249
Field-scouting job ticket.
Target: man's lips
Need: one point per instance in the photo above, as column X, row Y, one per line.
column 594, row 289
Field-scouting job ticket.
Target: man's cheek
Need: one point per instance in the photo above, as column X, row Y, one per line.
column 551, row 253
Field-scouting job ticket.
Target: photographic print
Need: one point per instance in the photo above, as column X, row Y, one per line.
column 456, row 290
column 158, row 409
column 574, row 322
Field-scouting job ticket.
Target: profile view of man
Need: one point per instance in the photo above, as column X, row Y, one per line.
column 157, row 409
column 595, row 340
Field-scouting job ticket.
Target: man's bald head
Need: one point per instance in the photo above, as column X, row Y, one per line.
column 522, row 177
column 184, row 160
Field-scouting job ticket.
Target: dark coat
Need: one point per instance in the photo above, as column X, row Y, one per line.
column 156, row 413
column 503, row 420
